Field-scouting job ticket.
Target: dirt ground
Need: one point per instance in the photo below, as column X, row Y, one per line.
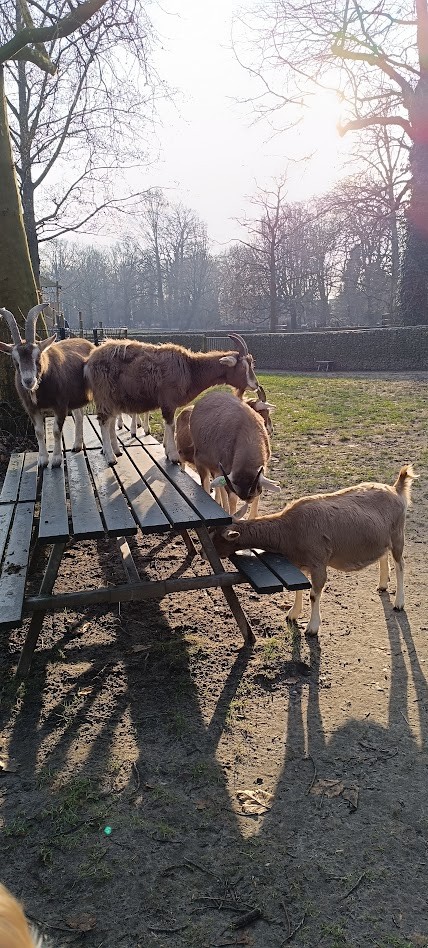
column 162, row 786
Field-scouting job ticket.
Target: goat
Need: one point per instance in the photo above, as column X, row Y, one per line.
column 186, row 447
column 347, row 530
column 14, row 929
column 48, row 376
column 145, row 423
column 139, row 377
column 231, row 441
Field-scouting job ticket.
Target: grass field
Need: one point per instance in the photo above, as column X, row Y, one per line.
column 378, row 423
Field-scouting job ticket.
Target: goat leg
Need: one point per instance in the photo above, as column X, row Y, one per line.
column 39, row 430
column 384, row 574
column 57, row 431
column 113, row 438
column 78, row 432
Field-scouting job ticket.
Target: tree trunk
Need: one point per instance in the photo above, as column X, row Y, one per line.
column 27, row 187
column 273, row 290
column 18, row 291
column 414, row 279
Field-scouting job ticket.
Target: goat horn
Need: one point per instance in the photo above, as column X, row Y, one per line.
column 268, row 484
column 256, row 479
column 261, row 393
column 13, row 326
column 30, row 322
column 242, row 345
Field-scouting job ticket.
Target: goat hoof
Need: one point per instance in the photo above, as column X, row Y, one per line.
column 113, row 462
column 77, row 448
column 56, row 462
column 43, row 464
column 118, row 454
column 312, row 632
column 399, row 608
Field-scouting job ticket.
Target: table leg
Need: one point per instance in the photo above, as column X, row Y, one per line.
column 228, row 592
column 37, row 618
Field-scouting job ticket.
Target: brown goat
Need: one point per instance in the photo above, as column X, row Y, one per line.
column 127, row 376
column 49, row 377
column 220, row 423
column 231, row 441
column 347, row 530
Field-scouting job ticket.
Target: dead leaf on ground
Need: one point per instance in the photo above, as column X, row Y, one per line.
column 335, row 788
column 327, row 788
column 8, row 765
column 255, row 801
column 82, row 923
column 202, row 804
column 421, row 941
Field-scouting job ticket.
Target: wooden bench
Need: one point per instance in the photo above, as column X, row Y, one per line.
column 324, row 365
column 87, row 499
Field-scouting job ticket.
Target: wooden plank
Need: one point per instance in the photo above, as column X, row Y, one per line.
column 12, row 480
column 90, row 437
column 14, row 572
column 176, row 508
column 117, row 516
column 6, row 512
column 68, row 433
column 28, row 488
column 53, row 523
column 207, row 508
column 145, row 508
column 259, row 576
column 87, row 523
column 290, row 575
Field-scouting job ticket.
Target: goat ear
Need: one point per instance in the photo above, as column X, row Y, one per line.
column 230, row 534
column 228, row 360
column 7, row 347
column 267, row 484
column 45, row 343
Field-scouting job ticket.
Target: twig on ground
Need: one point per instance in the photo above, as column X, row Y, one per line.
column 355, row 886
column 168, row 931
column 227, row 904
column 196, row 865
column 291, row 935
column 314, row 776
column 248, row 919
column 282, row 904
column 137, row 776
column 406, row 719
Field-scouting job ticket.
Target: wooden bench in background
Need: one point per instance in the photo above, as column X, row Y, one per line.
column 324, row 365
column 87, row 499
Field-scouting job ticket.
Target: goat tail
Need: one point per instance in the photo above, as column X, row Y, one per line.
column 403, row 484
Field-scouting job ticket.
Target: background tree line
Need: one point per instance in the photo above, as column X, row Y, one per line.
column 327, row 262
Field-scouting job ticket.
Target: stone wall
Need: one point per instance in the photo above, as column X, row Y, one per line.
column 391, row 349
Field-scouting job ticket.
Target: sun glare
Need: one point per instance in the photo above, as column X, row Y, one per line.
column 319, row 151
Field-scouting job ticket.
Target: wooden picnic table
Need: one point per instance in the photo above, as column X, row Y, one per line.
column 85, row 499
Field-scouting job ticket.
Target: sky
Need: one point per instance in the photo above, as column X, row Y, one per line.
column 213, row 155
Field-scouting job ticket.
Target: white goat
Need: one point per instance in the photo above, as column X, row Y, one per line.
column 186, row 447
column 139, row 377
column 230, row 441
column 49, row 377
column 348, row 530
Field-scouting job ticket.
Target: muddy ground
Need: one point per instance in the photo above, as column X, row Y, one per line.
column 162, row 786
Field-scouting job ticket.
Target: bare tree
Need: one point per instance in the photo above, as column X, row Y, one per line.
column 102, row 93
column 17, row 285
column 376, row 59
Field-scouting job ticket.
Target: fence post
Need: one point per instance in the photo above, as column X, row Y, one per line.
column 80, row 324
column 100, row 328
column 96, row 340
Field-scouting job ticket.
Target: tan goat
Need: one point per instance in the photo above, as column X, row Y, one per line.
column 347, row 530
column 14, row 929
